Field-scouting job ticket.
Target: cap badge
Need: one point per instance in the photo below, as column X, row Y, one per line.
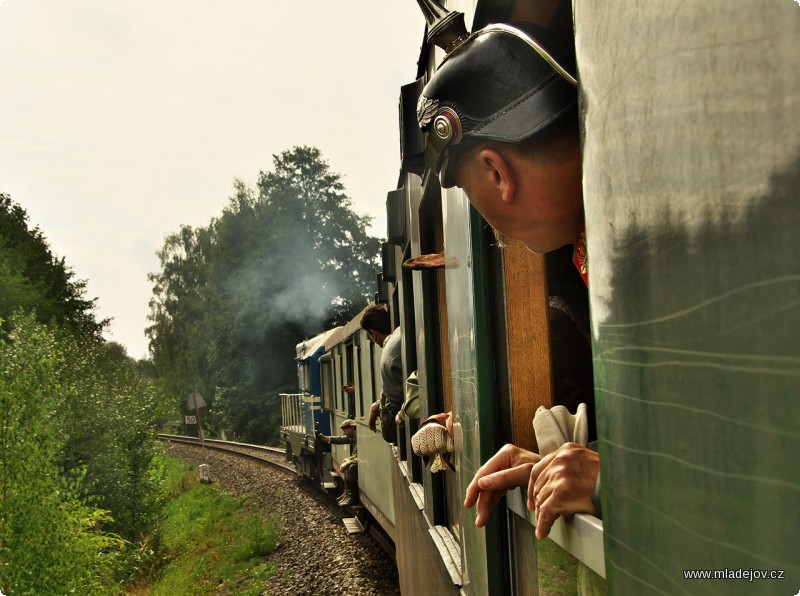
column 447, row 126
column 426, row 108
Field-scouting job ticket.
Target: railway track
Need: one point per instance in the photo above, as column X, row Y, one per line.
column 274, row 457
column 313, row 527
column 271, row 456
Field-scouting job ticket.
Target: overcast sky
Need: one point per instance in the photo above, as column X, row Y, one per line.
column 120, row 120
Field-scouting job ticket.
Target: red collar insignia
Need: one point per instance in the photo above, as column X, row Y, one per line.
column 580, row 258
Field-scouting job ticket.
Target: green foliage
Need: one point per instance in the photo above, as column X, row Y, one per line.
column 177, row 477
column 213, row 540
column 51, row 541
column 80, row 480
column 560, row 573
column 110, row 419
column 32, row 279
column 328, row 262
column 283, row 261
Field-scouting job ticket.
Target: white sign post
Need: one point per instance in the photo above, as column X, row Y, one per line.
column 194, row 402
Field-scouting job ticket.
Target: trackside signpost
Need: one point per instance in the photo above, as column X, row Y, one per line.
column 194, row 402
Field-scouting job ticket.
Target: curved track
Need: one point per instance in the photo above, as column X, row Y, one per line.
column 316, row 555
column 271, row 456
column 276, row 458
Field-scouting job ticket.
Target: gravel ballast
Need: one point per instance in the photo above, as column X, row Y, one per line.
column 316, row 555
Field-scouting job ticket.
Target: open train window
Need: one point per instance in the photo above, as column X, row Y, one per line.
column 373, row 362
column 410, row 359
column 348, row 377
column 549, row 352
column 444, row 491
column 326, row 382
column 338, row 379
column 363, row 381
column 549, row 363
column 438, row 391
column 305, row 376
column 499, row 364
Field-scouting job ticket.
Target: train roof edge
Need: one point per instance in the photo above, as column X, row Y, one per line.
column 327, row 339
column 307, row 347
column 345, row 331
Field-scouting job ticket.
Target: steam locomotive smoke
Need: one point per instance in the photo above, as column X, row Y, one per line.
column 294, row 285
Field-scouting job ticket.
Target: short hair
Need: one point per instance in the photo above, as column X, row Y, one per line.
column 347, row 423
column 553, row 142
column 376, row 318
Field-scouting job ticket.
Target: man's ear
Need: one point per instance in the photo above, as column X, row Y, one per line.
column 500, row 173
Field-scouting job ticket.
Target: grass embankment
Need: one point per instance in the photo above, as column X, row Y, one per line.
column 560, row 573
column 211, row 541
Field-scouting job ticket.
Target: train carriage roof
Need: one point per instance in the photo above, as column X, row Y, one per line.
column 331, row 337
column 344, row 332
column 307, row 347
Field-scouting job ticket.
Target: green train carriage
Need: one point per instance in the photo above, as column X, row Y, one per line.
column 690, row 157
column 690, row 146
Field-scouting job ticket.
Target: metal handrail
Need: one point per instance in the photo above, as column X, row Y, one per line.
column 292, row 409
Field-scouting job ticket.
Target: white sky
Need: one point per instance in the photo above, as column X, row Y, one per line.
column 120, row 120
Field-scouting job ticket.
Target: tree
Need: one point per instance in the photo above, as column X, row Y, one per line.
column 316, row 221
column 283, row 261
column 33, row 279
column 77, row 419
column 51, row 541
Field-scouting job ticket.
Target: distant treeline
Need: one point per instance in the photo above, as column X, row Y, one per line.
column 283, row 261
column 80, row 477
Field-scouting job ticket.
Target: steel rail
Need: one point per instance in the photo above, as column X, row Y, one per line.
column 232, row 447
column 235, row 448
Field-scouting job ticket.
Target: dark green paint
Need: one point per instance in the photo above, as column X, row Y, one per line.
column 691, row 174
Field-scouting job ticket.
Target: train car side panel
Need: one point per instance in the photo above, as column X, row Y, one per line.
column 464, row 367
column 374, row 454
column 691, row 171
column 422, row 569
column 375, row 464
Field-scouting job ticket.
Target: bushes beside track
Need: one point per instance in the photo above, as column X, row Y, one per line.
column 79, row 482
